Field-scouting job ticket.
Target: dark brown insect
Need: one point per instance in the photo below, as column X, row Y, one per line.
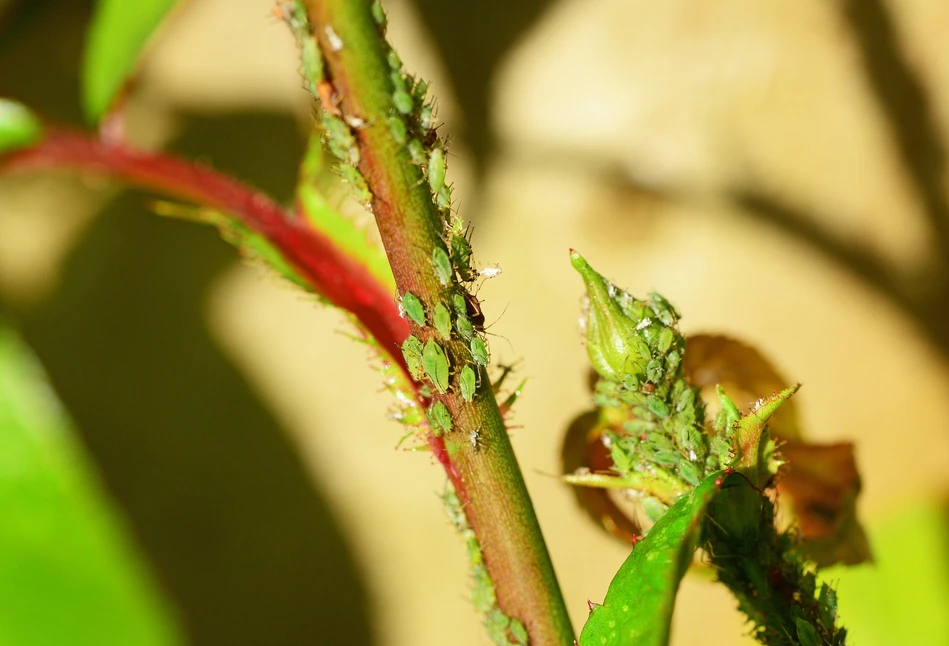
column 473, row 310
column 648, row 387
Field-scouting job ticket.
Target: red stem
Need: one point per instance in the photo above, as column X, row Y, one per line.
column 344, row 282
column 330, row 272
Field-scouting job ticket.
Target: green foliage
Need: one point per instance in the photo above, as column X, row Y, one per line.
column 903, row 596
column 119, row 33
column 775, row 587
column 18, row 126
column 68, row 572
column 638, row 605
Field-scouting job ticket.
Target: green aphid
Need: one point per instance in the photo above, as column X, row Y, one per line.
column 461, row 254
column 426, row 117
column 441, row 318
column 312, row 63
column 412, row 351
column 435, row 364
column 436, row 169
column 464, row 327
column 663, row 309
column 518, row 632
column 394, row 61
column 440, row 418
column 355, row 179
column 620, row 458
column 397, row 128
column 419, row 92
column 416, row 152
column 443, row 198
column 458, row 302
column 338, row 133
column 686, row 400
column 469, row 383
column 638, row 426
column 666, row 338
column 378, row 13
column 666, row 458
column 659, row 441
column 479, row 351
column 689, row 472
column 657, row 407
column 442, row 265
column 398, row 82
column 402, row 101
column 414, row 308
column 654, row 372
column 672, row 360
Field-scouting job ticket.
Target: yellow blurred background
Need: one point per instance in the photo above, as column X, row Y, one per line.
column 777, row 170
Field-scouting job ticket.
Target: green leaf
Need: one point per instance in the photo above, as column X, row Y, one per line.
column 638, row 605
column 68, row 572
column 18, row 126
column 903, row 596
column 118, row 35
column 345, row 234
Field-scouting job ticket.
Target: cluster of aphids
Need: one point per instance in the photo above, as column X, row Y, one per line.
column 664, row 415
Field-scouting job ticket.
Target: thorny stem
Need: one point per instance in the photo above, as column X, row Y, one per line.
column 483, row 468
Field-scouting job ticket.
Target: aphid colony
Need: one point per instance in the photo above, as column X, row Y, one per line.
column 411, row 123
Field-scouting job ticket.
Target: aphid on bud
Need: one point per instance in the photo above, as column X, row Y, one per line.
column 435, row 364
column 394, row 61
column 441, row 318
column 442, row 266
column 479, row 351
column 469, row 383
column 414, row 308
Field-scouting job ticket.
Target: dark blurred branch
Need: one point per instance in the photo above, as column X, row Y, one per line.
column 905, row 104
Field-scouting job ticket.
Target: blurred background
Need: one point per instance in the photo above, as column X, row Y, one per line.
column 221, row 470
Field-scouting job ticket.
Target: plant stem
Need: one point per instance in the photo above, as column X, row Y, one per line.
column 330, row 272
column 483, row 468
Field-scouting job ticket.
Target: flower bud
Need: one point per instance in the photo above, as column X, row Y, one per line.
column 615, row 346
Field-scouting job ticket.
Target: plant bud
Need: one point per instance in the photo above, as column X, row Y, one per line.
column 615, row 346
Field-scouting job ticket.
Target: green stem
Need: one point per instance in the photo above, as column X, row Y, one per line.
column 483, row 468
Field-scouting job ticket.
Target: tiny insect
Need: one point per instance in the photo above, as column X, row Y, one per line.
column 479, row 351
column 414, row 308
column 442, row 265
column 473, row 310
column 468, row 381
column 435, row 364
column 412, row 351
column 442, row 320
column 439, row 414
column 436, row 169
